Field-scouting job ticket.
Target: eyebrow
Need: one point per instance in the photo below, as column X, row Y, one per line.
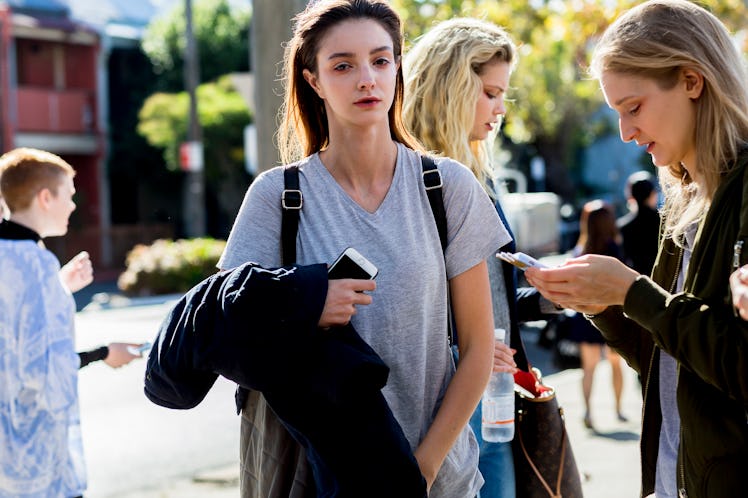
column 495, row 87
column 383, row 48
column 623, row 99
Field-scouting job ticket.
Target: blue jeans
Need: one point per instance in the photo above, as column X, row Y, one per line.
column 496, row 463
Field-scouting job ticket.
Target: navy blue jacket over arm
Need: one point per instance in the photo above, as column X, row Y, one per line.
column 258, row 328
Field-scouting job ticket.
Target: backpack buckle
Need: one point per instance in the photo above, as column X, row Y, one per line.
column 292, row 199
column 432, row 179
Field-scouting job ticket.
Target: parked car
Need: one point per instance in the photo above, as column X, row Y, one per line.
column 534, row 216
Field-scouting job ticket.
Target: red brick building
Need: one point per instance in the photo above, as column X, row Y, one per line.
column 50, row 99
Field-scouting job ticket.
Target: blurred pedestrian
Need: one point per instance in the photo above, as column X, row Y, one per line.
column 478, row 58
column 672, row 72
column 598, row 234
column 640, row 227
column 41, row 452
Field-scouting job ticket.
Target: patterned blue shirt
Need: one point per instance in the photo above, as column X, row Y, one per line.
column 41, row 451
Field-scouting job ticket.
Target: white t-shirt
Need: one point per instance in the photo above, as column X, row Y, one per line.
column 406, row 324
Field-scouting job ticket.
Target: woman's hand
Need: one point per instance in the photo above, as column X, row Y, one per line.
column 588, row 284
column 503, row 358
column 343, row 295
column 428, row 472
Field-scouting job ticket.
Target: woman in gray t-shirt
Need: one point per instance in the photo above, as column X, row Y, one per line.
column 362, row 187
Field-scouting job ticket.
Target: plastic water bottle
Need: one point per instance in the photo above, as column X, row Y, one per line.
column 498, row 404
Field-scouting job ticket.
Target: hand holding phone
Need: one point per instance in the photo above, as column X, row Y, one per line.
column 520, row 260
column 341, row 302
column 139, row 350
column 351, row 264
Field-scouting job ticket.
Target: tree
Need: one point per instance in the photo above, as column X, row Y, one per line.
column 223, row 114
column 222, row 35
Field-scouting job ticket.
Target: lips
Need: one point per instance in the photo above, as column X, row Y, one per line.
column 367, row 101
column 647, row 145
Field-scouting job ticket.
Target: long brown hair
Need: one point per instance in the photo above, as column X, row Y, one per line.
column 304, row 128
column 598, row 232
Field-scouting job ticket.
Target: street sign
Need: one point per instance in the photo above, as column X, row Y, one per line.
column 191, row 156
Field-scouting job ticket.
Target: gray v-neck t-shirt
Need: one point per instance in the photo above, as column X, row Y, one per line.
column 406, row 324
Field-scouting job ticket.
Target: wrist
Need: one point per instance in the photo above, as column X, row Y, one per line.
column 593, row 313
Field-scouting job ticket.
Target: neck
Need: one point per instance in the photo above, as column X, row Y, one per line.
column 360, row 158
column 363, row 170
column 28, row 220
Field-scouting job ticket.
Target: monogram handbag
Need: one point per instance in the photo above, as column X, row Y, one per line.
column 544, row 464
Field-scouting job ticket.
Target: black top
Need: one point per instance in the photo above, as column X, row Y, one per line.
column 10, row 230
column 640, row 232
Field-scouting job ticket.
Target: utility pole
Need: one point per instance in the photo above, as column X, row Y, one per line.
column 271, row 29
column 193, row 197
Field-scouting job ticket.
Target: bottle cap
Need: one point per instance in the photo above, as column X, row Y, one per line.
column 499, row 334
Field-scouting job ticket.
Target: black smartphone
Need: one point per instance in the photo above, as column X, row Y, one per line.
column 351, row 264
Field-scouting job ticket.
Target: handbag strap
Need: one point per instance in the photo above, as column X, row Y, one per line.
column 432, row 182
column 292, row 201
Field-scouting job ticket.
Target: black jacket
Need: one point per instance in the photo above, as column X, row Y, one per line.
column 640, row 231
column 698, row 328
column 258, row 328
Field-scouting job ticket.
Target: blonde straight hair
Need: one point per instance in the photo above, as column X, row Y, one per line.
column 442, row 84
column 657, row 40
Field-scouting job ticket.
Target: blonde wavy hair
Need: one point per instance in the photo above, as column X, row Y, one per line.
column 657, row 40
column 304, row 128
column 442, row 84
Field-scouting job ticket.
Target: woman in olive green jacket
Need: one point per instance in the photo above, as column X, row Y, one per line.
column 671, row 71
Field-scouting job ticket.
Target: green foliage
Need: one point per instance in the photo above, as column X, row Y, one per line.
column 166, row 266
column 222, row 113
column 221, row 31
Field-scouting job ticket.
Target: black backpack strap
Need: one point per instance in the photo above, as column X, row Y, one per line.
column 432, row 180
column 291, row 203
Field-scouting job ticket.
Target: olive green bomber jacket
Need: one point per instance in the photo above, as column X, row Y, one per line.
column 697, row 327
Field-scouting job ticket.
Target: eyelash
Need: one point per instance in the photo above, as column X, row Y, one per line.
column 635, row 110
column 382, row 61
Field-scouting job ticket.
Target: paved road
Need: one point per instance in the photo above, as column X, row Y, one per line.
column 130, row 443
column 138, row 450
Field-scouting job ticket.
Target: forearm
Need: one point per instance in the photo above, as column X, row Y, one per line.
column 97, row 354
column 471, row 302
column 460, row 401
column 703, row 336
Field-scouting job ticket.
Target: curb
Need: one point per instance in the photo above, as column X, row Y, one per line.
column 105, row 300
